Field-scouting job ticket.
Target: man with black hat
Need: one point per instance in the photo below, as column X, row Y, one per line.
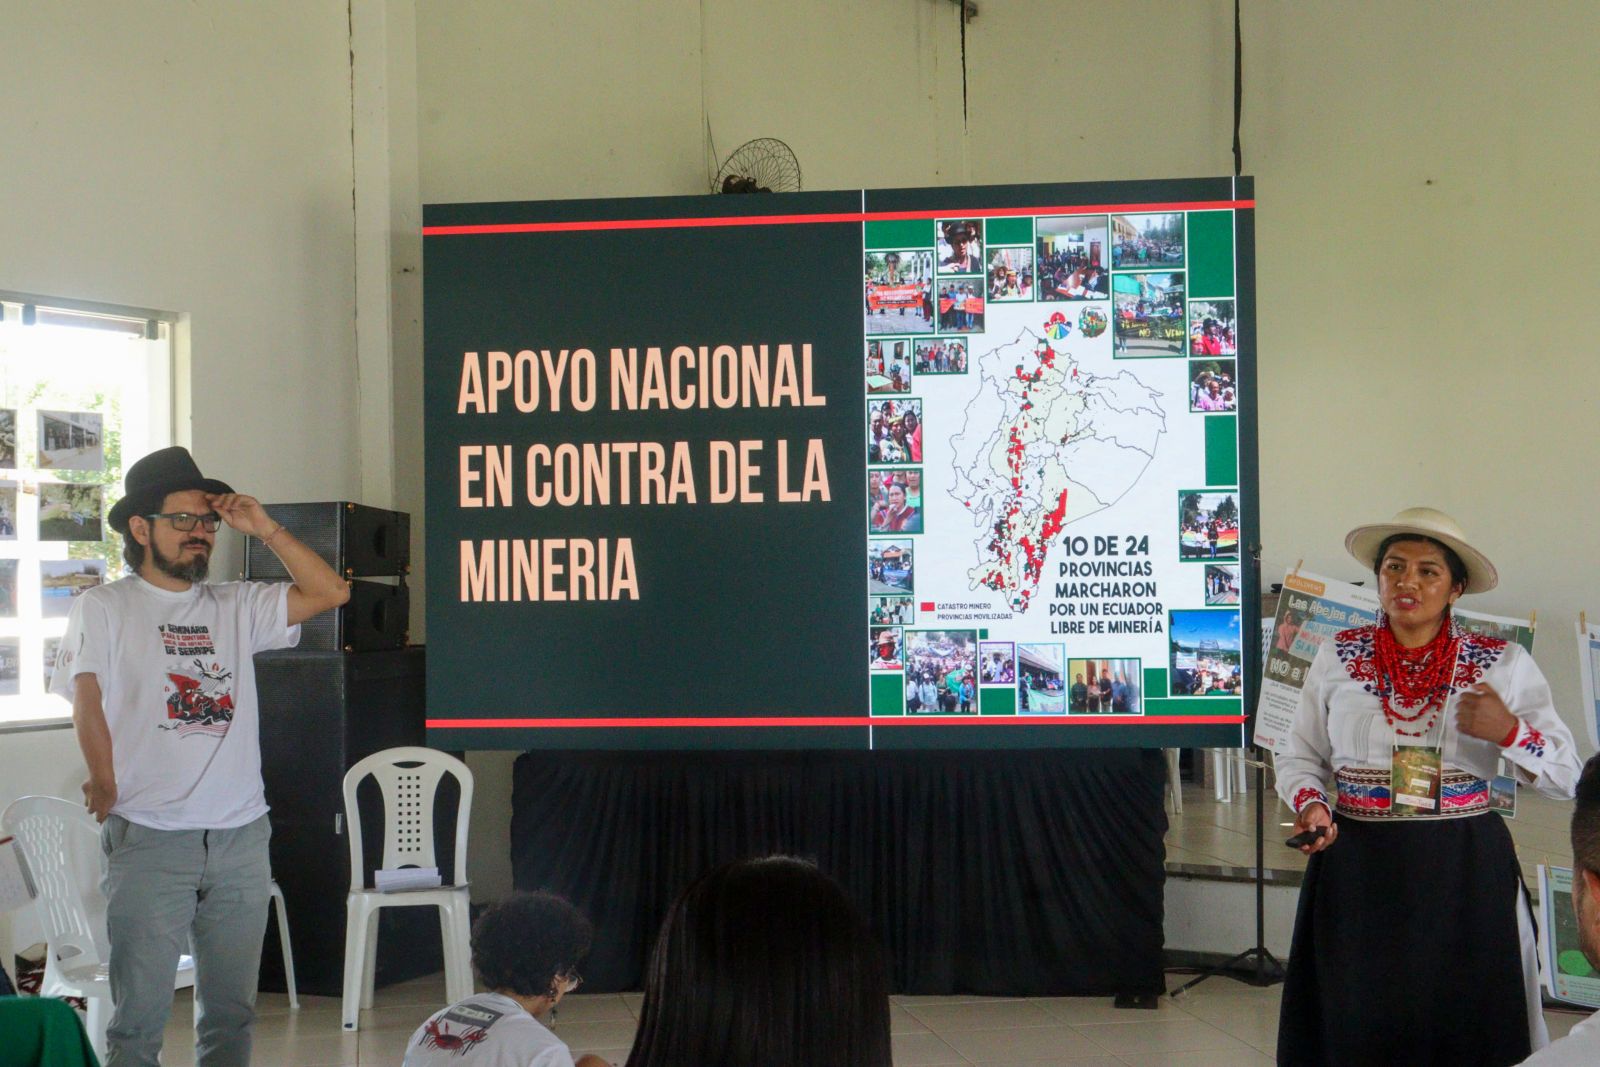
column 964, row 257
column 159, row 671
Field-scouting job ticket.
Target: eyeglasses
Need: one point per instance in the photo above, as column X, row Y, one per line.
column 184, row 521
column 569, row 983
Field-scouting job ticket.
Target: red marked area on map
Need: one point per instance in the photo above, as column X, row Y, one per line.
column 1043, row 444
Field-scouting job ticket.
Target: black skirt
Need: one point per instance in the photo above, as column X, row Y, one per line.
column 1406, row 949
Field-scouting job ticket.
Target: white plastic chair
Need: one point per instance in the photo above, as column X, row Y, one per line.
column 409, row 779
column 288, row 952
column 61, row 842
column 1174, row 780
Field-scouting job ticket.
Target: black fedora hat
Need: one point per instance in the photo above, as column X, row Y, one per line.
column 169, row 470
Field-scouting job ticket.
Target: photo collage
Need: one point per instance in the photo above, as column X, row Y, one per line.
column 936, row 299
column 52, row 500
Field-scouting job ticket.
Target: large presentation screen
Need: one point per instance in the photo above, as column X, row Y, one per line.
column 921, row 468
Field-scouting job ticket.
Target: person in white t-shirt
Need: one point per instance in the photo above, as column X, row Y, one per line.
column 1582, row 1045
column 159, row 671
column 526, row 950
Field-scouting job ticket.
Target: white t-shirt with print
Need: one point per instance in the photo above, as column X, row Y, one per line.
column 485, row 1030
column 178, row 684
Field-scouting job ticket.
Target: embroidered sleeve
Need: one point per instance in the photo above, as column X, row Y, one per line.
column 1543, row 753
column 1308, row 795
column 1304, row 761
column 1354, row 648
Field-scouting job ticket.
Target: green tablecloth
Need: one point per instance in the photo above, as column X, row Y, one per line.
column 42, row 1032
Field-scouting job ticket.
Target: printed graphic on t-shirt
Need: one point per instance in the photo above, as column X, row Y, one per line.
column 459, row 1030
column 199, row 698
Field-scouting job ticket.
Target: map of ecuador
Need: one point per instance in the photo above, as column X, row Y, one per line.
column 1044, row 445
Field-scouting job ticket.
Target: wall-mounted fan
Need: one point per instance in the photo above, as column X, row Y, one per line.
column 765, row 165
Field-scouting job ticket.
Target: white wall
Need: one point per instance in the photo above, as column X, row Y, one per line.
column 1429, row 325
column 194, row 158
column 1426, row 223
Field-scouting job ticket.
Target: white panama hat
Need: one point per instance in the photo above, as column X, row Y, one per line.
column 1363, row 542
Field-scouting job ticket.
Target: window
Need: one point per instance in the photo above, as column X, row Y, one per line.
column 81, row 387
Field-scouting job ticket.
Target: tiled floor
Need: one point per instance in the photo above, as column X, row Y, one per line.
column 1220, row 1023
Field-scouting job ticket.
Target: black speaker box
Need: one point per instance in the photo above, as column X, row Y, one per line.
column 376, row 617
column 357, row 541
column 321, row 713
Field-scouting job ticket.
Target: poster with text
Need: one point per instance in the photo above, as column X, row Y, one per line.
column 1568, row 974
column 1589, row 673
column 1311, row 609
column 868, row 469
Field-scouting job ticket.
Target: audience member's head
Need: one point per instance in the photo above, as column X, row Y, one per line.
column 1586, row 860
column 530, row 945
column 764, row 963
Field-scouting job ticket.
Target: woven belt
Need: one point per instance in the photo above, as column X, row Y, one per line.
column 1365, row 793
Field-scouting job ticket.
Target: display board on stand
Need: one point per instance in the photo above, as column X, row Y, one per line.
column 932, row 468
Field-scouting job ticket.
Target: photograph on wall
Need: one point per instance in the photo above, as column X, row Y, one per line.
column 71, row 440
column 1208, row 525
column 899, row 292
column 52, row 649
column 8, row 588
column 888, row 365
column 69, row 512
column 939, row 356
column 960, row 249
column 8, row 511
column 1213, row 386
column 1148, row 315
column 8, row 438
column 1104, row 687
column 1516, row 631
column 1073, row 258
column 944, row 665
column 1010, row 274
column 1147, row 241
column 884, row 648
column 891, row 568
column 998, row 662
column 1207, row 657
column 61, row 581
column 894, row 431
column 1222, row 584
column 1041, row 679
column 891, row 610
column 10, row 666
column 1212, row 329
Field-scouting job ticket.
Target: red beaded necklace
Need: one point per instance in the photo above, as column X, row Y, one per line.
column 1415, row 682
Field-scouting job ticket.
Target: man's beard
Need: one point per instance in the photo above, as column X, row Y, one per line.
column 194, row 570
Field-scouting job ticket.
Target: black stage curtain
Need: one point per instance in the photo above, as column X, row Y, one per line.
column 1001, row 873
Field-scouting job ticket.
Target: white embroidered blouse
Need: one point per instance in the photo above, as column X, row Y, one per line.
column 1339, row 723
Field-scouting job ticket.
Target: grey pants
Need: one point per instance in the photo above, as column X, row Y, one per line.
column 166, row 890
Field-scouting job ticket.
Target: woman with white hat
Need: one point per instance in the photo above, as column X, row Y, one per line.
column 1414, row 939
